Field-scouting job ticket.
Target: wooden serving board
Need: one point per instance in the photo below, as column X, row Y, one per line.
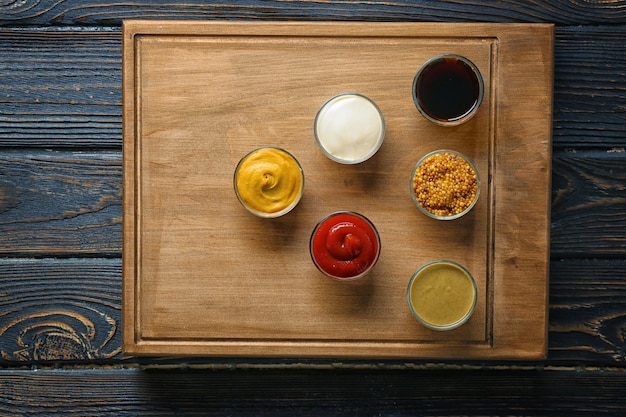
column 203, row 276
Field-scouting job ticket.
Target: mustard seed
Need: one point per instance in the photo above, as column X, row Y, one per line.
column 445, row 184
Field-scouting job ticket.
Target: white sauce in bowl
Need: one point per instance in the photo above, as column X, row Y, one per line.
column 349, row 128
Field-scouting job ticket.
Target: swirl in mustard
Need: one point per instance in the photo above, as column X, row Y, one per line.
column 269, row 181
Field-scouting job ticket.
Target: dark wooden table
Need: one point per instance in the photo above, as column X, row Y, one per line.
column 60, row 232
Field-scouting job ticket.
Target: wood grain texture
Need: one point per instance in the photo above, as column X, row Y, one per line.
column 37, row 217
column 60, row 89
column 588, row 311
column 311, row 392
column 589, row 196
column 59, row 310
column 60, row 203
column 589, row 85
column 75, row 12
column 69, row 310
column 74, row 100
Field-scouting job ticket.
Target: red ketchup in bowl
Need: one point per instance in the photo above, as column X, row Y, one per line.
column 345, row 245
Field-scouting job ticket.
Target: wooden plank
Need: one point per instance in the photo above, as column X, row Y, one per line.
column 311, row 392
column 60, row 203
column 588, row 310
column 60, row 310
column 74, row 100
column 186, row 120
column 91, row 13
column 60, row 88
column 37, row 217
column 589, row 85
column 73, row 306
column 588, row 203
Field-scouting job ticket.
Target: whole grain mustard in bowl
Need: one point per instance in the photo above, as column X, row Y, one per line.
column 445, row 184
column 269, row 181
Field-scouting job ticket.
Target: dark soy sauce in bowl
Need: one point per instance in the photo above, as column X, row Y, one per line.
column 448, row 89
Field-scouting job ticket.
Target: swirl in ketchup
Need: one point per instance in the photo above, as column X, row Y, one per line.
column 345, row 245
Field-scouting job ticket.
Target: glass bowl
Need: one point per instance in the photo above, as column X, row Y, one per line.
column 269, row 181
column 448, row 89
column 442, row 295
column 349, row 128
column 345, row 245
column 445, row 184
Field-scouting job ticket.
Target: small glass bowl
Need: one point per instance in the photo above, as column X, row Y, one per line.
column 442, row 295
column 349, row 128
column 345, row 245
column 450, row 196
column 448, row 89
column 262, row 167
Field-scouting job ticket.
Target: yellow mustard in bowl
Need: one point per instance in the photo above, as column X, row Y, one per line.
column 269, row 181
